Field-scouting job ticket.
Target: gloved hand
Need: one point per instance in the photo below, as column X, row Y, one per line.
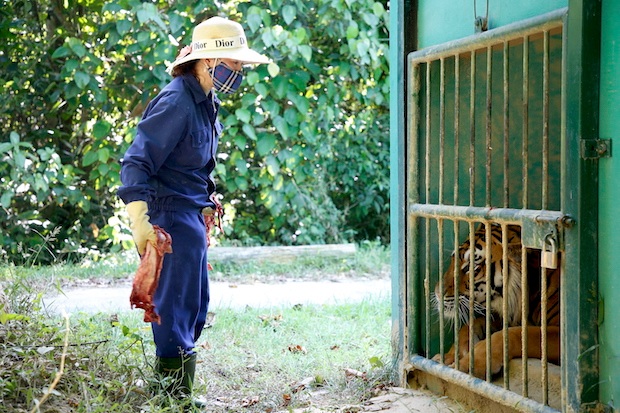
column 141, row 228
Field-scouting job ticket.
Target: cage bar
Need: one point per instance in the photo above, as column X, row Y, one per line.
column 472, row 263
column 489, row 106
column 525, row 122
column 505, row 326
column 506, row 61
column 545, row 117
column 427, row 228
column 487, row 321
column 525, row 310
column 472, row 127
column 543, row 336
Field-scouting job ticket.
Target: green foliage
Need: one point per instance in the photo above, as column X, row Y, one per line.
column 104, row 361
column 304, row 154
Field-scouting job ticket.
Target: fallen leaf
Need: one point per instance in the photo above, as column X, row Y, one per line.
column 297, row 349
column 300, row 385
column 353, row 374
column 249, row 401
column 287, row 399
column 277, row 317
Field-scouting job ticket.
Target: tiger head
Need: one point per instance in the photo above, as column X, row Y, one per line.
column 462, row 259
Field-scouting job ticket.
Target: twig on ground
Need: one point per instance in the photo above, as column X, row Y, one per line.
column 60, row 371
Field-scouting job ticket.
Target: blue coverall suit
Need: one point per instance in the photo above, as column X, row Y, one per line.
column 169, row 165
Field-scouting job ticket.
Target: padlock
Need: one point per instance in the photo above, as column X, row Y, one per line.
column 550, row 253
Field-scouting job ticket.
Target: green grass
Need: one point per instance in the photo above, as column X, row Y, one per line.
column 251, row 360
column 264, row 356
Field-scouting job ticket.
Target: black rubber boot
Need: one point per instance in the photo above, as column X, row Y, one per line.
column 181, row 370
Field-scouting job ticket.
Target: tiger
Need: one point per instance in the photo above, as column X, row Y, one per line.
column 513, row 292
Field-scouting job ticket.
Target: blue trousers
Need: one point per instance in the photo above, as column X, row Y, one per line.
column 182, row 296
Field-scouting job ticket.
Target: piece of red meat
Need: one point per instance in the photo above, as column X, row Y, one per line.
column 147, row 276
column 210, row 215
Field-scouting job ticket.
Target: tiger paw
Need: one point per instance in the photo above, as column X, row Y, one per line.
column 448, row 359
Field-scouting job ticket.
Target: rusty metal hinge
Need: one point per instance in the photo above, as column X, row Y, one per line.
column 595, row 148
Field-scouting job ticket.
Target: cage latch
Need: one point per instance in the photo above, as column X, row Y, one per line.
column 595, row 148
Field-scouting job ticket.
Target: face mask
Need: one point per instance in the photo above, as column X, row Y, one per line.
column 225, row 80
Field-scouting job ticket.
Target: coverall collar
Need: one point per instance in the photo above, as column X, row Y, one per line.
column 195, row 89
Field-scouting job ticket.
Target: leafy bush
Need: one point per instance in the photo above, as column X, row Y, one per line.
column 304, row 156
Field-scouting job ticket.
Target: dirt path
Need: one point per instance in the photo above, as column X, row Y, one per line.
column 226, row 295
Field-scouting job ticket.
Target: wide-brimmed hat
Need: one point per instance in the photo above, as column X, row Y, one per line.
column 218, row 37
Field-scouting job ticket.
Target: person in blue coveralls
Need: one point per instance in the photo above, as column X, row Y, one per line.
column 166, row 181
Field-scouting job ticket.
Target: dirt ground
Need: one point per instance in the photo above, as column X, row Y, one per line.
column 396, row 400
column 399, row 400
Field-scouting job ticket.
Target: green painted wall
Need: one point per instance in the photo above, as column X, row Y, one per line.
column 440, row 21
column 609, row 198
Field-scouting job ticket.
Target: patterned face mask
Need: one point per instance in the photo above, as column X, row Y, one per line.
column 225, row 80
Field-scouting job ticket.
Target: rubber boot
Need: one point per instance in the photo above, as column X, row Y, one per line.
column 181, row 370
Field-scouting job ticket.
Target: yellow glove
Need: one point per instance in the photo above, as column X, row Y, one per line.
column 141, row 228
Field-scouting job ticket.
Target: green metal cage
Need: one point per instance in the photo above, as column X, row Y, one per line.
column 491, row 133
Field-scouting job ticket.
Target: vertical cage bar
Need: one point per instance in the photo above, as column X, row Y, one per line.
column 545, row 165
column 543, row 338
column 457, row 111
column 472, row 128
column 472, row 188
column 427, row 287
column 457, row 124
column 427, row 156
column 442, row 337
column 506, row 124
column 525, row 310
column 525, row 178
column 489, row 104
column 545, row 197
column 442, row 126
column 472, row 264
column 457, row 280
column 412, row 290
column 442, row 140
column 525, row 126
column 487, row 323
column 505, row 282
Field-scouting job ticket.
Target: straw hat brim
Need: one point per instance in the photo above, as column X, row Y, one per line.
column 244, row 55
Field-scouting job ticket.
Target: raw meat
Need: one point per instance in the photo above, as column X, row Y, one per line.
column 210, row 214
column 147, row 276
